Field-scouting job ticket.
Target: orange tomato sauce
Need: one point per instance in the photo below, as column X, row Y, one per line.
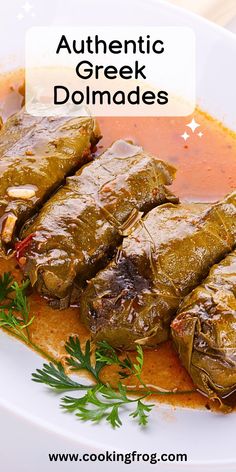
column 206, row 171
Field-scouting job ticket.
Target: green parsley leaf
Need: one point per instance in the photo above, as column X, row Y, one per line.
column 54, row 376
column 5, row 285
column 81, row 360
column 142, row 412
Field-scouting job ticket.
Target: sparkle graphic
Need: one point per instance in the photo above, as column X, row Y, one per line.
column 27, row 7
column 200, row 134
column 193, row 125
column 27, row 11
column 185, row 136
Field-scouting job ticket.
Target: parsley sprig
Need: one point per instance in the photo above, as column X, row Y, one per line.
column 100, row 401
column 5, row 285
column 15, row 310
column 103, row 402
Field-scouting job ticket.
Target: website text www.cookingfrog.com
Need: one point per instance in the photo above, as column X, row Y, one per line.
column 125, row 458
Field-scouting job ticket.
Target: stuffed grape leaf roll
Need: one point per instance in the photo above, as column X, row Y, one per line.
column 168, row 254
column 81, row 225
column 36, row 156
column 204, row 331
column 14, row 129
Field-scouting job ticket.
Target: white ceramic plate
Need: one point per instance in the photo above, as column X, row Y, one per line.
column 31, row 423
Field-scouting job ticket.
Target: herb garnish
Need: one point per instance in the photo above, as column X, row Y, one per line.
column 5, row 285
column 15, row 311
column 101, row 400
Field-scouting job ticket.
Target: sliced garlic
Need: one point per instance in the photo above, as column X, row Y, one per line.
column 20, row 192
column 8, row 228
